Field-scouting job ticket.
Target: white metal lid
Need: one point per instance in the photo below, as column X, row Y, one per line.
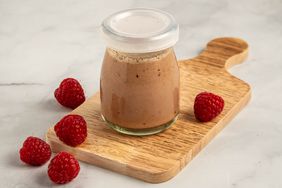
column 140, row 30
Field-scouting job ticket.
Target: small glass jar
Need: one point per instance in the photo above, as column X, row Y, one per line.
column 139, row 85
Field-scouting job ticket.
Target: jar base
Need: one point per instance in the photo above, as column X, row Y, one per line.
column 140, row 132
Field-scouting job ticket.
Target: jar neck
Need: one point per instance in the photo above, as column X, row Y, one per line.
column 139, row 57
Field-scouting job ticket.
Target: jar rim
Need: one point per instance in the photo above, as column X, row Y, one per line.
column 140, row 30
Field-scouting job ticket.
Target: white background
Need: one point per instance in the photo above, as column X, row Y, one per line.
column 45, row 41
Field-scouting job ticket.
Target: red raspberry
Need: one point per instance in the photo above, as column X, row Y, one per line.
column 35, row 151
column 70, row 93
column 72, row 130
column 63, row 168
column 207, row 106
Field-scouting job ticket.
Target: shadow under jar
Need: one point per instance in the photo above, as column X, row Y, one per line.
column 139, row 85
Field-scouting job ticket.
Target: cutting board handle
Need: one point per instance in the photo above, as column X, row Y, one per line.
column 224, row 52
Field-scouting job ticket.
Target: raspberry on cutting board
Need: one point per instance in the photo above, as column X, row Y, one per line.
column 71, row 129
column 207, row 106
column 70, row 93
column 35, row 151
column 63, row 168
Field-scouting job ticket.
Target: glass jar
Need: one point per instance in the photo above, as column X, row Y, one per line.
column 139, row 85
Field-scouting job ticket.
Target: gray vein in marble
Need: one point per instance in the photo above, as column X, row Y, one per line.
column 21, row 84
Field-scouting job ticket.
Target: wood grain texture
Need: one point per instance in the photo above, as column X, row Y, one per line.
column 160, row 157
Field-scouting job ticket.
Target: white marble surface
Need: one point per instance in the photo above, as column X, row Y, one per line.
column 44, row 41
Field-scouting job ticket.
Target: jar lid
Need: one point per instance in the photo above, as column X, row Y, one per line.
column 140, row 30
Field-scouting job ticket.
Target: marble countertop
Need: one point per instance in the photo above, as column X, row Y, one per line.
column 42, row 42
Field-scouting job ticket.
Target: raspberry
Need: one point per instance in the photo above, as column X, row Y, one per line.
column 207, row 106
column 72, row 130
column 63, row 168
column 35, row 151
column 70, row 93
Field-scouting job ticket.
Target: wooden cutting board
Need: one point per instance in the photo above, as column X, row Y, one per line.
column 160, row 157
